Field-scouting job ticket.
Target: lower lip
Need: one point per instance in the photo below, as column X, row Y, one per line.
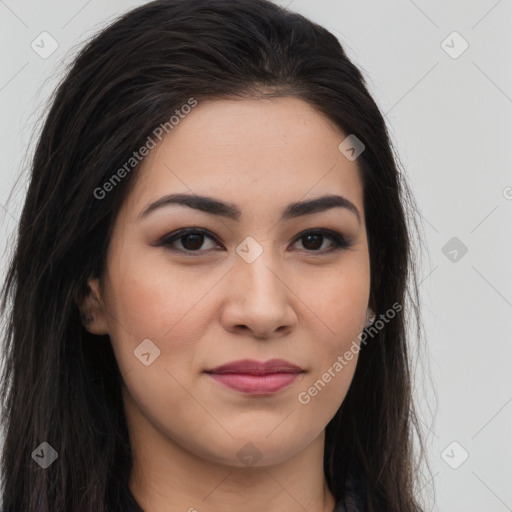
column 255, row 384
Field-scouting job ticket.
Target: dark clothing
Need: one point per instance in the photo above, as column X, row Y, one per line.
column 351, row 503
column 354, row 506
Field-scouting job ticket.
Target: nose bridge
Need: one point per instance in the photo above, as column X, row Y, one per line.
column 257, row 296
column 257, row 267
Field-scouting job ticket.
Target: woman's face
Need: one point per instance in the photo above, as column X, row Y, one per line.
column 252, row 285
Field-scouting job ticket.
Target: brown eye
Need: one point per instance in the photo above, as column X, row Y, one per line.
column 313, row 240
column 192, row 242
column 188, row 240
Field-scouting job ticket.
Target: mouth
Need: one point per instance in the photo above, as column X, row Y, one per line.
column 256, row 378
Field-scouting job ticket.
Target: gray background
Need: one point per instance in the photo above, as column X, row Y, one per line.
column 451, row 121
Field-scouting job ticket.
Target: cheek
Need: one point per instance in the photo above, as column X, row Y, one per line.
column 336, row 299
column 155, row 302
column 337, row 303
column 321, row 396
column 335, row 358
column 151, row 292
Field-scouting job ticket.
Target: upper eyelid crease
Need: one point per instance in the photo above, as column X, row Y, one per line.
column 231, row 211
column 339, row 240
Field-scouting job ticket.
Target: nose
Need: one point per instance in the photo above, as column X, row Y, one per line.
column 259, row 300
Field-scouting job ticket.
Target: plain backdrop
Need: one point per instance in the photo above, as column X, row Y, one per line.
column 441, row 73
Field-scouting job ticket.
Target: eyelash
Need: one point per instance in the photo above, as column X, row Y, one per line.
column 340, row 242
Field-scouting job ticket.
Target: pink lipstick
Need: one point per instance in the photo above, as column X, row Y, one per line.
column 256, row 378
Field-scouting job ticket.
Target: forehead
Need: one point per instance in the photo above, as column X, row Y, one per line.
column 251, row 152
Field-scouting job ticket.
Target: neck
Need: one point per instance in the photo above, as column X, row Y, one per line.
column 166, row 477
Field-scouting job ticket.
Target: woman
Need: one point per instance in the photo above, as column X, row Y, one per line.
column 214, row 223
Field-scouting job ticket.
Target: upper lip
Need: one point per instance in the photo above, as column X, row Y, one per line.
column 251, row 366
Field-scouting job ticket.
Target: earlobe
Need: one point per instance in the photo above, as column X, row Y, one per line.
column 92, row 310
column 370, row 317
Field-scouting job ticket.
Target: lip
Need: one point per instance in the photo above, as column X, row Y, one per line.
column 250, row 366
column 255, row 377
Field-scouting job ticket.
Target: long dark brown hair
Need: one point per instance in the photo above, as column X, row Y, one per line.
column 61, row 384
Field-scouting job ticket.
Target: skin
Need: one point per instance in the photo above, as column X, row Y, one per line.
column 295, row 301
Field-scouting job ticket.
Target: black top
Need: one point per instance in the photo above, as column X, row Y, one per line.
column 339, row 507
column 351, row 503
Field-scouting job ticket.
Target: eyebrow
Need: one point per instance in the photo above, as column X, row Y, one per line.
column 231, row 211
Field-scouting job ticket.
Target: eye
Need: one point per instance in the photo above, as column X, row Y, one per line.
column 313, row 240
column 192, row 239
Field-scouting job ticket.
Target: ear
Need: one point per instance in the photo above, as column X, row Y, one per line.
column 92, row 308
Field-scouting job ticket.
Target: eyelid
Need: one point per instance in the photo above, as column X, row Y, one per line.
column 340, row 242
column 168, row 239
